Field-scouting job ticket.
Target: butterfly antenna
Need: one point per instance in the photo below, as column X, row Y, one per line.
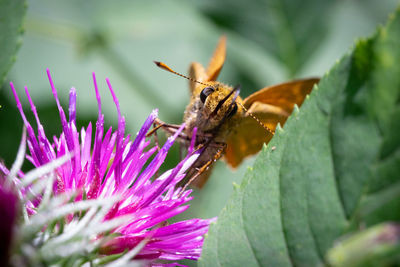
column 165, row 67
column 259, row 122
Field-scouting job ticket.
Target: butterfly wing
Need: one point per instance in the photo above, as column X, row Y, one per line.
column 271, row 105
column 248, row 137
column 283, row 95
column 217, row 60
column 197, row 71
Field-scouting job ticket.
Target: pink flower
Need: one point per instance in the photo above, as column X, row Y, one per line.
column 115, row 165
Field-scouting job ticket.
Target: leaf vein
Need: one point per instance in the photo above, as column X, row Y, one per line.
column 335, row 176
column 281, row 210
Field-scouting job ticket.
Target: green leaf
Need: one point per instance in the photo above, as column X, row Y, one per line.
column 11, row 16
column 334, row 167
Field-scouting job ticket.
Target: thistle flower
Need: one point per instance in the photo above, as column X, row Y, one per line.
column 115, row 166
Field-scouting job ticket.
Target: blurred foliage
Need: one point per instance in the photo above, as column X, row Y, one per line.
column 11, row 16
column 289, row 30
column 269, row 41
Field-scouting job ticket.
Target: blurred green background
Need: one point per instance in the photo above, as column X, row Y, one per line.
column 269, row 41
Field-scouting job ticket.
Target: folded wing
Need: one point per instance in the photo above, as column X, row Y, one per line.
column 271, row 105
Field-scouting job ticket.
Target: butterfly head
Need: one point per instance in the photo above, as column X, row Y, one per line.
column 212, row 104
column 217, row 102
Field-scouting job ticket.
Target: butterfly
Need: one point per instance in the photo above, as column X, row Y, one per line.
column 226, row 124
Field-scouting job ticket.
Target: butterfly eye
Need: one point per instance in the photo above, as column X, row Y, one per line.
column 205, row 92
column 233, row 110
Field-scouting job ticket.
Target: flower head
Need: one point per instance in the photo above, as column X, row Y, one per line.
column 115, row 165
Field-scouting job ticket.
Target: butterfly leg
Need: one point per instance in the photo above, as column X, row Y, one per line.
column 157, row 143
column 169, row 129
column 155, row 136
column 202, row 173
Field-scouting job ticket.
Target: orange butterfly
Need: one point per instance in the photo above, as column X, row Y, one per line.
column 226, row 124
